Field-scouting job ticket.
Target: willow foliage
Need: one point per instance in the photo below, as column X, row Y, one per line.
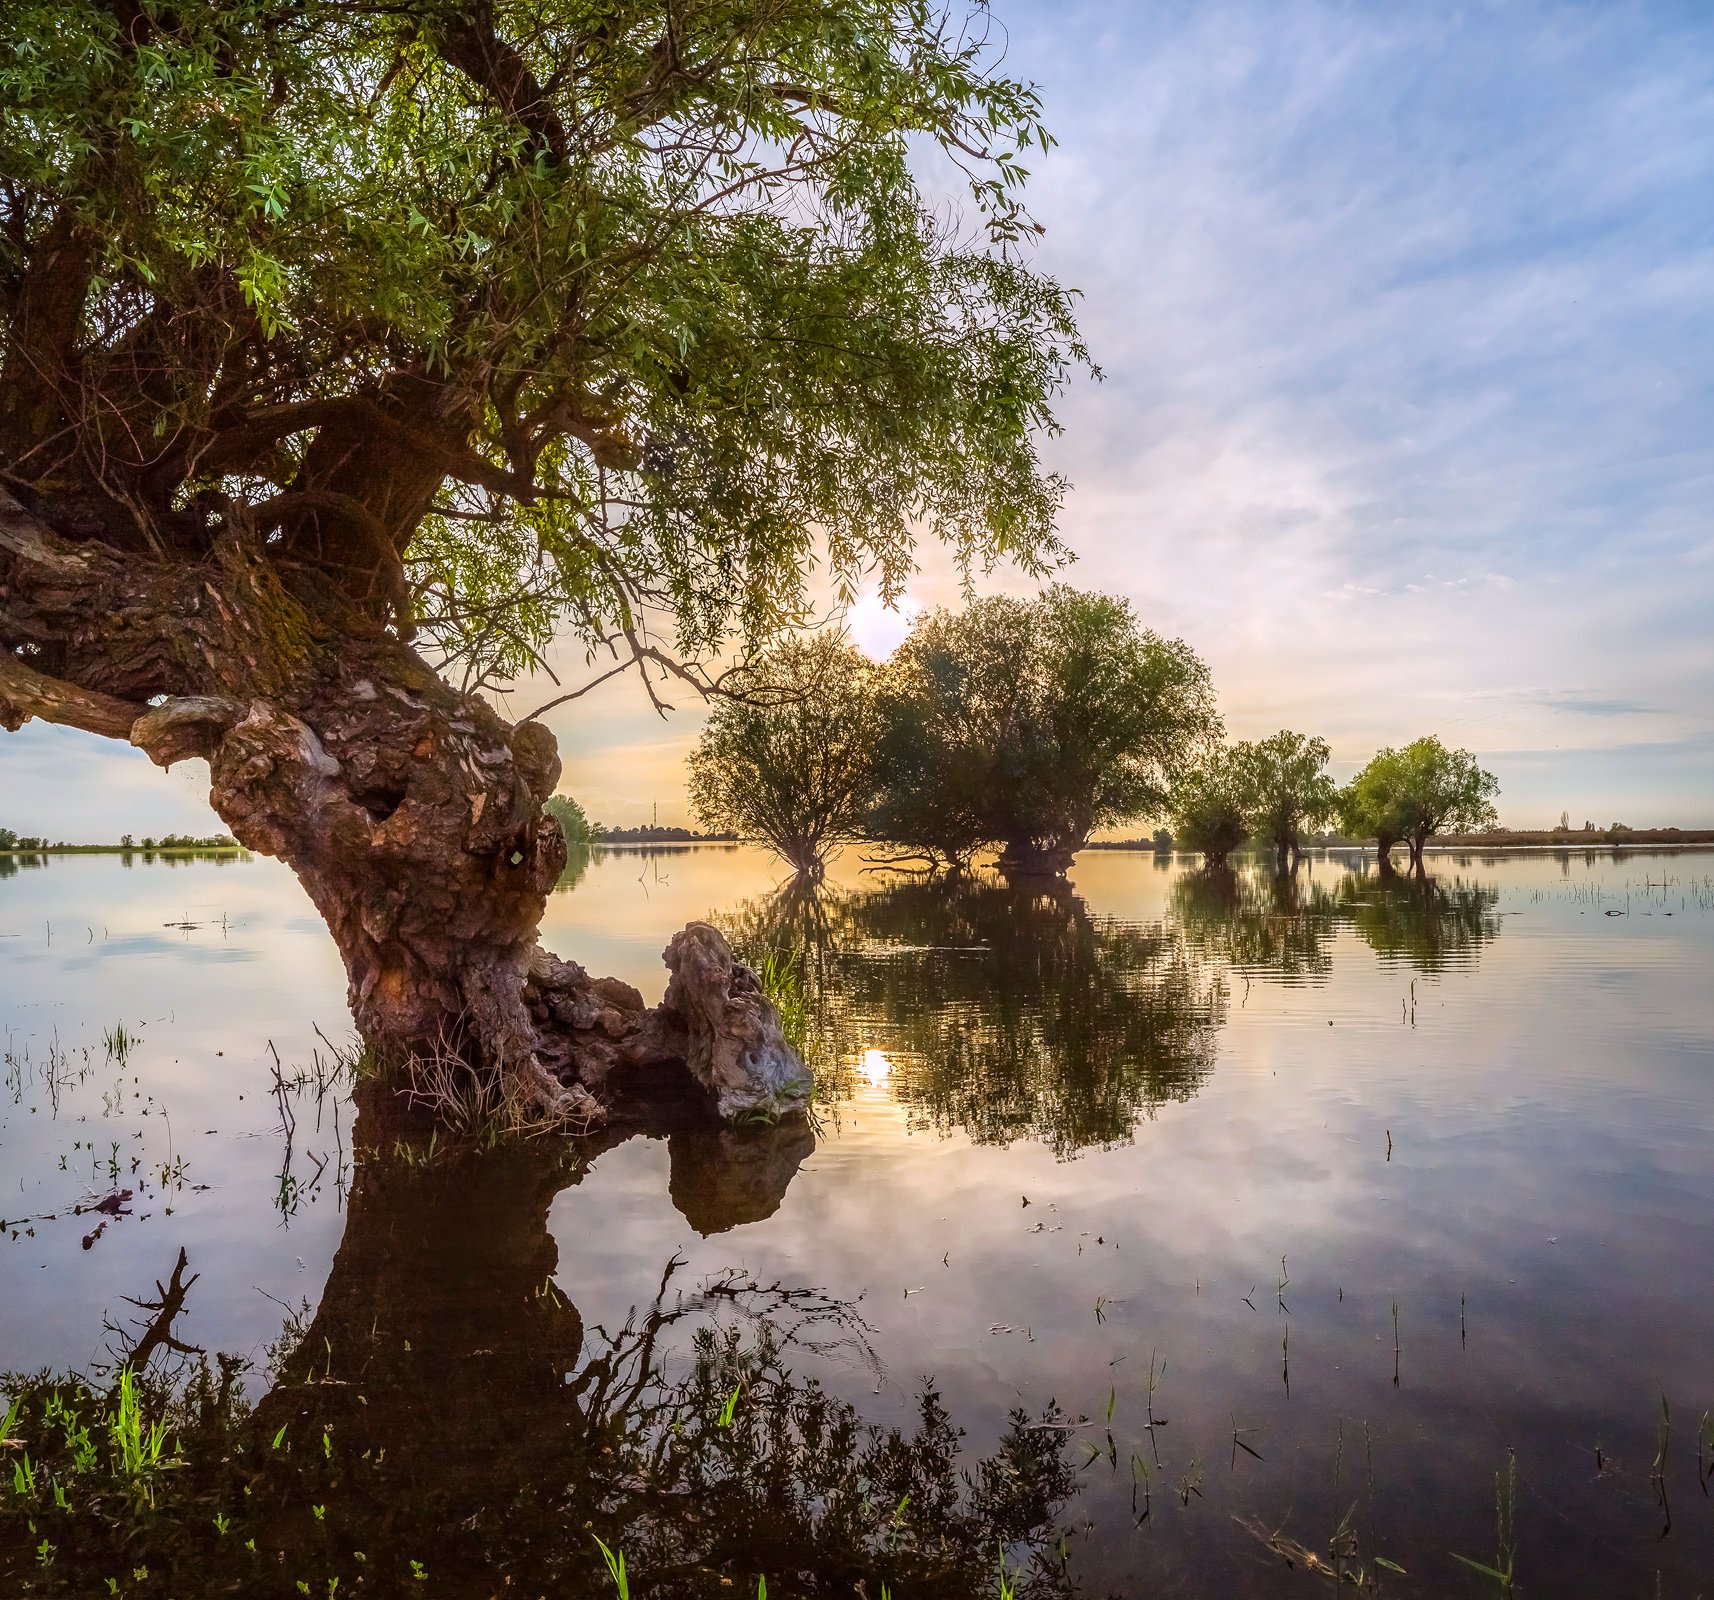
column 522, row 313
column 1032, row 723
column 794, row 765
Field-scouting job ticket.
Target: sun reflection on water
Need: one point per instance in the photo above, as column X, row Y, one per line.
column 877, row 1068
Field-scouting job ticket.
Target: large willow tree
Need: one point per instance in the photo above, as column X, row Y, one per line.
column 352, row 348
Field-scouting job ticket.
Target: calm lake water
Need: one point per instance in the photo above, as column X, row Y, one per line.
column 1393, row 1186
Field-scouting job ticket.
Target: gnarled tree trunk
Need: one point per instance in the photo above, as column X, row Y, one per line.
column 1038, row 858
column 410, row 812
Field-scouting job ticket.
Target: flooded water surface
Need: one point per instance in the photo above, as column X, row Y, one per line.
column 1158, row 1235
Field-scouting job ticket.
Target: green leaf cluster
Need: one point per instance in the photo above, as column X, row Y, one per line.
column 1024, row 724
column 790, row 758
column 1210, row 807
column 1286, row 788
column 573, row 822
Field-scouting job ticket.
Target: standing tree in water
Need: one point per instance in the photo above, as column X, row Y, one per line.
column 1031, row 724
column 1287, row 789
column 1416, row 791
column 353, row 351
column 794, row 764
column 1210, row 809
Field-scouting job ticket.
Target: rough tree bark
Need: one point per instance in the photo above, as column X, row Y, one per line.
column 410, row 812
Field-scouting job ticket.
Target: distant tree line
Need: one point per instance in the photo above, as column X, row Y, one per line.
column 179, row 841
column 11, row 840
column 579, row 830
column 661, row 833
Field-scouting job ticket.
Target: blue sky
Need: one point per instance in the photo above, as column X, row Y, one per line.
column 1406, row 312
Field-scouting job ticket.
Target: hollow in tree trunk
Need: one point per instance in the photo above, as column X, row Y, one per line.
column 410, row 812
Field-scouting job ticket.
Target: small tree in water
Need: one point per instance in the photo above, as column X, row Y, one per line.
column 1286, row 789
column 1210, row 811
column 1406, row 795
column 795, row 764
column 1029, row 724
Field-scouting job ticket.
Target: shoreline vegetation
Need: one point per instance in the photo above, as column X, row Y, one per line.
column 171, row 844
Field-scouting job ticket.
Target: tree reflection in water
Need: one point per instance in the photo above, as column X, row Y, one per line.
column 1014, row 1012
column 1010, row 1011
column 447, row 1416
column 1422, row 922
column 1259, row 921
column 1267, row 924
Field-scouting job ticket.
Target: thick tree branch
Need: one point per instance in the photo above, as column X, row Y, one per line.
column 500, row 72
column 26, row 693
column 30, row 539
column 189, row 725
column 236, row 445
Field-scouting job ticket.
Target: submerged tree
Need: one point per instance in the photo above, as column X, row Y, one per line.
column 1287, row 789
column 337, row 332
column 1031, row 724
column 1406, row 795
column 1210, row 809
column 1443, row 791
column 795, row 763
column 1370, row 808
column 945, row 698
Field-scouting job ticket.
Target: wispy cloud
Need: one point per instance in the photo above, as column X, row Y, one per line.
column 1408, row 320
column 1572, row 702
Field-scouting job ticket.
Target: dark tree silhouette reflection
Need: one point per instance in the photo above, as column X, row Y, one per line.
column 1008, row 1011
column 1262, row 923
column 446, row 1423
column 1426, row 923
column 578, row 859
column 1284, row 926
